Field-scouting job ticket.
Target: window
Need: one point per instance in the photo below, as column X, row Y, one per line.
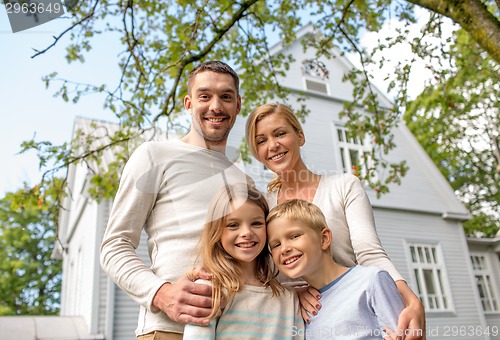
column 315, row 75
column 353, row 151
column 315, row 68
column 484, row 283
column 430, row 277
column 316, row 86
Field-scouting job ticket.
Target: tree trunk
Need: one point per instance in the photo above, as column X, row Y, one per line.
column 474, row 17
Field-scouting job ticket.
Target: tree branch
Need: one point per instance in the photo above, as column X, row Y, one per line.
column 56, row 39
column 83, row 156
column 474, row 17
column 166, row 111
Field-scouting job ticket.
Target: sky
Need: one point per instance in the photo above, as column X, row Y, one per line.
column 28, row 109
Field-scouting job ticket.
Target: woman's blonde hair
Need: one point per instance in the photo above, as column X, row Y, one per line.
column 227, row 272
column 257, row 115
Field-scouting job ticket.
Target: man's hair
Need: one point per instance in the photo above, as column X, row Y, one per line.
column 301, row 211
column 214, row 66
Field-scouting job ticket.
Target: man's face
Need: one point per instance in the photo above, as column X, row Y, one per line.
column 213, row 104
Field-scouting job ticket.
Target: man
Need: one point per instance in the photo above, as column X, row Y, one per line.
column 164, row 188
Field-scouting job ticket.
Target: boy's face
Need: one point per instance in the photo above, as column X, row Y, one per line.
column 296, row 248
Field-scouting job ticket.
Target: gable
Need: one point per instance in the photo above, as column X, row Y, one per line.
column 297, row 77
column 423, row 188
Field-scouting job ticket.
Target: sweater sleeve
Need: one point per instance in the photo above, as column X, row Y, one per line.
column 131, row 208
column 192, row 332
column 361, row 223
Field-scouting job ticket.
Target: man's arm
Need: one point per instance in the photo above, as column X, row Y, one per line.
column 130, row 211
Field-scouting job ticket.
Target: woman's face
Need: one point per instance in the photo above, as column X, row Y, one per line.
column 278, row 144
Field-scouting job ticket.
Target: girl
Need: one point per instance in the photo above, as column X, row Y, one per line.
column 274, row 136
column 234, row 250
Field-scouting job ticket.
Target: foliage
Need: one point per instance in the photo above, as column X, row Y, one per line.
column 30, row 280
column 457, row 121
column 163, row 40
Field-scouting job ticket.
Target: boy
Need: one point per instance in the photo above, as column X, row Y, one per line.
column 357, row 302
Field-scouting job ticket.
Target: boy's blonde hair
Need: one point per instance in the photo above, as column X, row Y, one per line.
column 299, row 210
column 226, row 271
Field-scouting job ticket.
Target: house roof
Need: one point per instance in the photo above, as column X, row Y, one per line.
column 492, row 243
column 45, row 328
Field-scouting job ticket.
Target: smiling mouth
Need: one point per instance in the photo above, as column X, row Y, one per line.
column 246, row 244
column 291, row 260
column 278, row 156
column 215, row 119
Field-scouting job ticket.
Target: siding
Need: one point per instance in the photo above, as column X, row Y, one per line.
column 126, row 310
column 105, row 207
column 125, row 317
column 102, row 308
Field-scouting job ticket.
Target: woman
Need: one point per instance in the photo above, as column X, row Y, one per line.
column 275, row 136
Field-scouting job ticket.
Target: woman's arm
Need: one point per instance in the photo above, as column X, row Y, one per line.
column 411, row 321
column 369, row 251
column 360, row 223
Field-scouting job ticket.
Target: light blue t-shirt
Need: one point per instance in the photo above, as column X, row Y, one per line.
column 357, row 305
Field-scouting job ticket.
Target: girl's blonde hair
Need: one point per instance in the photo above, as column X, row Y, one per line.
column 227, row 272
column 257, row 115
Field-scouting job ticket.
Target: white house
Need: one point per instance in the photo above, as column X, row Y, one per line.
column 419, row 222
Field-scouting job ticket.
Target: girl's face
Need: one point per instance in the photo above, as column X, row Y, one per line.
column 278, row 144
column 244, row 234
